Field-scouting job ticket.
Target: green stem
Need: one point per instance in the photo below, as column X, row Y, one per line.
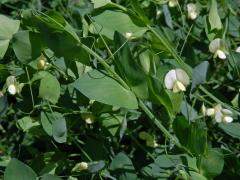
column 141, row 104
column 159, row 124
column 105, row 65
column 217, row 100
column 30, row 88
column 169, row 47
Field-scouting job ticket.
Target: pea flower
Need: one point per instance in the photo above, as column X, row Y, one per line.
column 176, row 80
column 88, row 117
column 128, row 35
column 238, row 49
column 220, row 114
column 218, row 48
column 42, row 63
column 149, row 139
column 11, row 83
column 80, row 167
column 172, row 3
column 192, row 11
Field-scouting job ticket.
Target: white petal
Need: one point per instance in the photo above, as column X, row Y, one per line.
column 182, row 77
column 12, row 89
column 227, row 112
column 227, row 119
column 215, row 45
column 210, row 111
column 128, row 35
column 218, row 116
column 221, row 54
column 203, row 109
column 192, row 11
column 170, row 79
column 178, row 86
column 238, row 49
column 10, row 80
column 172, row 3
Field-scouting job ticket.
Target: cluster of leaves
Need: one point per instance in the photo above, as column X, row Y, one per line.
column 90, row 77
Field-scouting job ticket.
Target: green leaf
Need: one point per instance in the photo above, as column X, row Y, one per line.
column 59, row 128
column 3, row 105
column 49, row 88
column 27, row 46
column 212, row 164
column 7, row 29
column 214, row 19
column 129, row 69
column 100, row 87
column 192, row 135
column 100, row 3
column 123, row 167
column 59, row 36
column 108, row 22
column 199, row 74
column 50, row 177
column 54, row 124
column 18, row 170
column 158, row 95
column 95, row 167
column 232, row 129
column 111, row 122
column 26, row 123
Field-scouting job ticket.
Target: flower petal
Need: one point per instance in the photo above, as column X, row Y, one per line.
column 218, row 116
column 221, row 54
column 12, row 89
column 215, row 45
column 182, row 77
column 227, row 119
column 227, row 112
column 238, row 49
column 170, row 79
column 210, row 111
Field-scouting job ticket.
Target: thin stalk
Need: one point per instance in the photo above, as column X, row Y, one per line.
column 217, row 100
column 159, row 124
column 30, row 88
column 141, row 104
column 165, row 42
column 105, row 65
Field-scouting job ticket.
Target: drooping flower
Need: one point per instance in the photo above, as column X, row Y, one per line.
column 219, row 114
column 192, row 11
column 149, row 139
column 218, row 48
column 128, row 35
column 176, row 80
column 11, row 83
column 222, row 115
column 172, row 3
column 80, row 167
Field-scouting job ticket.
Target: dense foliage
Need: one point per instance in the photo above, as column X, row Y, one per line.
column 121, row 89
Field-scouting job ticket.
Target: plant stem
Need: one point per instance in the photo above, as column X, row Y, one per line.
column 159, row 124
column 141, row 104
column 105, row 65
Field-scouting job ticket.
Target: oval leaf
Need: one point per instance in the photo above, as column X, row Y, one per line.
column 100, row 87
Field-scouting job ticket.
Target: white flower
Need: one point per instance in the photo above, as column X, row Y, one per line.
column 128, row 35
column 83, row 166
column 192, row 11
column 11, row 83
column 176, row 80
column 80, row 167
column 238, row 49
column 12, row 89
column 88, row 117
column 220, row 114
column 172, row 3
column 217, row 47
